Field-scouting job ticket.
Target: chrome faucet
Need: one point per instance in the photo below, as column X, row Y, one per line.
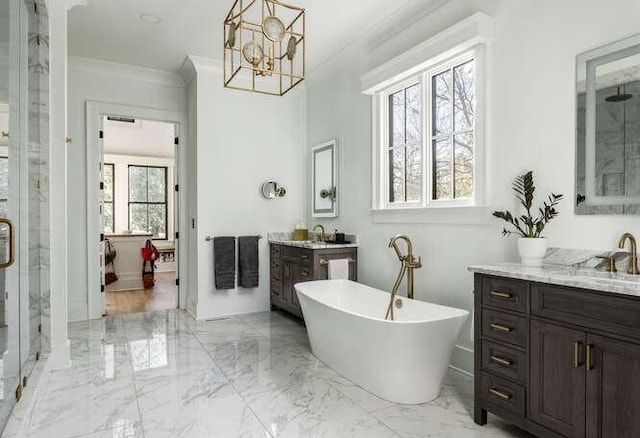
column 322, row 235
column 633, row 265
column 408, row 264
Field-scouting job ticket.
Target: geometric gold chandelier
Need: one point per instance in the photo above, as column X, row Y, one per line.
column 264, row 43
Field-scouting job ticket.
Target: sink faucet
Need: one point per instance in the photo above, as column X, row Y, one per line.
column 633, row 265
column 408, row 264
column 322, row 236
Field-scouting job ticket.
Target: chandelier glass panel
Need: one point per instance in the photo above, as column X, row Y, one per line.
column 264, row 42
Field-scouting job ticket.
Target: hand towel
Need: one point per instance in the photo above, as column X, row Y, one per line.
column 339, row 269
column 224, row 253
column 248, row 263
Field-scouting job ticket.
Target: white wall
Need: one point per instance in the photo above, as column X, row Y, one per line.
column 531, row 125
column 121, row 165
column 244, row 139
column 99, row 81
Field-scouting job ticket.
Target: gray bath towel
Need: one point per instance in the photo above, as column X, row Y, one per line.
column 248, row 263
column 224, row 253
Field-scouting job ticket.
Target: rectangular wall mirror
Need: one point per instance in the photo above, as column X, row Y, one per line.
column 324, row 185
column 608, row 129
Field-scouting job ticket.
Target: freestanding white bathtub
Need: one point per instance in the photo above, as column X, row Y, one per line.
column 402, row 361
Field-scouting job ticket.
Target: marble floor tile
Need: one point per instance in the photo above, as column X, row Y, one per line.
column 164, row 374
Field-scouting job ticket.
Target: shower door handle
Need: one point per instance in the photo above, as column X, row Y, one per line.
column 12, row 244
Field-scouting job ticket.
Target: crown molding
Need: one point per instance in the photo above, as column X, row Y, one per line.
column 126, row 71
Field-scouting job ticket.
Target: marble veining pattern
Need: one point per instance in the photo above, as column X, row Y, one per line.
column 165, row 374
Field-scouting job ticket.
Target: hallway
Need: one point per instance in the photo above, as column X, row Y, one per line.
column 164, row 374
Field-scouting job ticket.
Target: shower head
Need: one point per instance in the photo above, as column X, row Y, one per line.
column 619, row 97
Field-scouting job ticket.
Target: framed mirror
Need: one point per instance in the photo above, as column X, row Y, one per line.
column 324, row 182
column 608, row 129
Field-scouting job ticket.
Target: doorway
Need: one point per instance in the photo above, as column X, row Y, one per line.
column 138, row 209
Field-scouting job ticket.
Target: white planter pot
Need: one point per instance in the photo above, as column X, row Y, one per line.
column 532, row 250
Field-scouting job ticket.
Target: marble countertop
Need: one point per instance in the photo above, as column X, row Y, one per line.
column 314, row 245
column 584, row 278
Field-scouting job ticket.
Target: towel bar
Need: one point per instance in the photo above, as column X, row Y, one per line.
column 210, row 238
column 326, row 262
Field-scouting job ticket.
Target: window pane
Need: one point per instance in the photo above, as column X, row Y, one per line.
column 137, row 184
column 442, row 169
column 414, row 112
column 414, row 173
column 107, row 217
column 442, row 106
column 464, row 145
column 107, row 177
column 138, row 217
column 396, row 175
column 396, row 118
column 465, row 96
column 157, row 184
column 157, row 220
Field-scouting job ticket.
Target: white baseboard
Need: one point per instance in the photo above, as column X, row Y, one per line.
column 462, row 360
column 60, row 357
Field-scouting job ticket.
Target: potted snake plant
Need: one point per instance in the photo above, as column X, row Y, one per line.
column 532, row 246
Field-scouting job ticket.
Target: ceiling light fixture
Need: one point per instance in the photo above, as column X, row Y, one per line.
column 150, row 18
column 264, row 42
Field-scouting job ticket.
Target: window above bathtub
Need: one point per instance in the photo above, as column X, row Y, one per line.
column 429, row 128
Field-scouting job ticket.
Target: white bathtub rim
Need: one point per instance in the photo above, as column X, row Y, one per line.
column 463, row 313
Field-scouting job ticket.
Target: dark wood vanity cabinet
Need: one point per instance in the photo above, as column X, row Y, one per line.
column 557, row 361
column 291, row 265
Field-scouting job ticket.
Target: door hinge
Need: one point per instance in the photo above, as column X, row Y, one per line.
column 103, row 288
column 101, row 185
column 39, row 328
column 177, row 187
column 177, row 235
column 24, row 381
column 177, row 282
column 101, row 134
column 101, row 237
column 176, row 141
column 193, row 223
column 18, row 393
column 37, row 356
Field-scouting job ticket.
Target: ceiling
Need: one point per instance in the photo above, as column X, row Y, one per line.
column 111, row 30
column 142, row 138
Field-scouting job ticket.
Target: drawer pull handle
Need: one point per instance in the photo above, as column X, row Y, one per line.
column 501, row 361
column 304, row 274
column 500, row 394
column 576, row 354
column 304, row 257
column 501, row 295
column 589, row 360
column 501, row 328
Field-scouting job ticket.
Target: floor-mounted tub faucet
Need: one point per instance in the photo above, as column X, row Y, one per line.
column 408, row 264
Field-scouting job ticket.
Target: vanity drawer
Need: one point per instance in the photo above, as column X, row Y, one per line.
column 586, row 308
column 505, row 327
column 504, row 361
column 306, row 257
column 505, row 293
column 503, row 394
column 291, row 253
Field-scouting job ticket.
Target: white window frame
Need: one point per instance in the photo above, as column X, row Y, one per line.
column 471, row 35
column 382, row 126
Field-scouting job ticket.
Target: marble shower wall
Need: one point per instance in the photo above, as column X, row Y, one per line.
column 38, row 164
column 617, row 148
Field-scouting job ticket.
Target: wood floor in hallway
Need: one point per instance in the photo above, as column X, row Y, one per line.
column 163, row 296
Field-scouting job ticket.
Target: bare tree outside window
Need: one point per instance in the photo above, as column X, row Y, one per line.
column 148, row 200
column 453, row 133
column 108, row 218
column 405, row 145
